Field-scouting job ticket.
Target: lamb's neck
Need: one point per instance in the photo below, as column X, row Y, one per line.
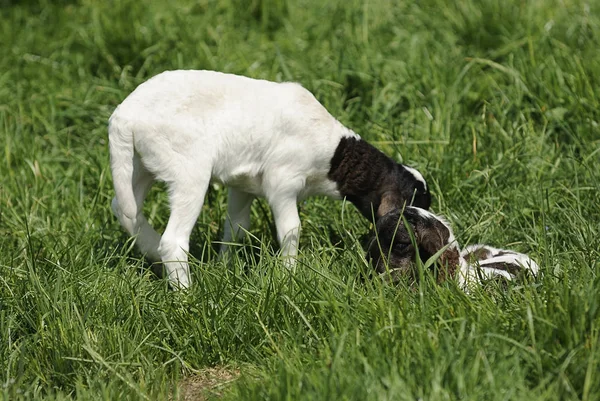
column 360, row 171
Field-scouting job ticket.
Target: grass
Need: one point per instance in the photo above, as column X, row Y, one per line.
column 495, row 101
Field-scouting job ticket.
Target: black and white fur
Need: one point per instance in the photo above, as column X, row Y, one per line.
column 392, row 251
column 259, row 138
column 486, row 262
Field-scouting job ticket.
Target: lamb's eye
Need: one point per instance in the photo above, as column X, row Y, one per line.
column 401, row 247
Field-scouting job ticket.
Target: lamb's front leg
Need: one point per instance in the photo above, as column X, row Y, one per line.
column 287, row 221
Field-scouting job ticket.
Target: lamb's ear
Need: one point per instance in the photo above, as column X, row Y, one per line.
column 430, row 239
column 431, row 234
column 389, row 202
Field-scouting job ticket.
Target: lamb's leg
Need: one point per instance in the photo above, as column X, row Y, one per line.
column 186, row 200
column 132, row 218
column 287, row 221
column 238, row 216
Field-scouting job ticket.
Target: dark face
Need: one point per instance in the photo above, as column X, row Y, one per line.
column 392, row 241
column 403, row 187
column 419, row 195
column 418, row 190
column 393, row 249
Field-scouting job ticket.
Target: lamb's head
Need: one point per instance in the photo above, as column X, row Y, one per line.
column 392, row 250
column 404, row 186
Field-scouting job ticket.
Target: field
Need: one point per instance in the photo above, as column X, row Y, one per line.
column 496, row 101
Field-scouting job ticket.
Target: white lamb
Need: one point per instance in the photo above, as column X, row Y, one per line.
column 259, row 138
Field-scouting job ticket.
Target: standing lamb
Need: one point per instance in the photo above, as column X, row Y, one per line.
column 259, row 138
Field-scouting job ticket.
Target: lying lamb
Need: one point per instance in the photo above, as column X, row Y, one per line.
column 259, row 138
column 391, row 251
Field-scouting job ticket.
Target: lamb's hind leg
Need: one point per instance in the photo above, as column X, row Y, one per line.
column 186, row 199
column 133, row 220
column 238, row 216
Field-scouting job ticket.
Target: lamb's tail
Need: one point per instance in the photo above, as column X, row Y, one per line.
column 131, row 182
column 122, row 153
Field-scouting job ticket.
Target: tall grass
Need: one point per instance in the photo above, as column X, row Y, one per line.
column 496, row 101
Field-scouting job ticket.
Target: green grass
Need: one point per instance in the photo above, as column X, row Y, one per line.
column 495, row 101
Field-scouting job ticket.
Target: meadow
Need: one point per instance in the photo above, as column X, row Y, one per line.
column 495, row 101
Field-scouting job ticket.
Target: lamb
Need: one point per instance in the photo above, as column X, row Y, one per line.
column 259, row 138
column 392, row 251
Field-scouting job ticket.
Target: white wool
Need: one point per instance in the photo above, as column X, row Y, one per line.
column 187, row 128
